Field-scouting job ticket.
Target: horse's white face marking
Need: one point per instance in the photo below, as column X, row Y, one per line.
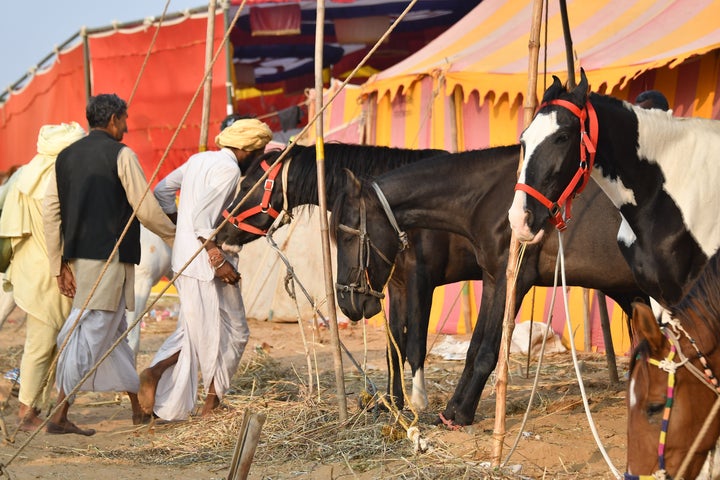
column 541, row 127
column 625, row 234
column 632, row 400
column 686, row 151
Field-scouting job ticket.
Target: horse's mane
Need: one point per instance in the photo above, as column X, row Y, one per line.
column 702, row 301
column 363, row 160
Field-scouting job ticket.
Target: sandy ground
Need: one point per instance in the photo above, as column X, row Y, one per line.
column 302, row 437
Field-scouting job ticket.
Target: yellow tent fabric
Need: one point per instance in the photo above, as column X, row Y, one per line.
column 465, row 90
column 614, row 40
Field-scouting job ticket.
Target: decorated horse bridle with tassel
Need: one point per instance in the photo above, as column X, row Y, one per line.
column 671, row 329
column 361, row 285
column 588, row 146
column 264, row 207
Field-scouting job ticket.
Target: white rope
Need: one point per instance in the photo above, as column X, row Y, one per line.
column 561, row 254
column 548, row 324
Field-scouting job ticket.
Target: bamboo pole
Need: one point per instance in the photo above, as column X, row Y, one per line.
column 229, row 66
column 246, row 444
column 322, row 203
column 511, row 272
column 207, row 87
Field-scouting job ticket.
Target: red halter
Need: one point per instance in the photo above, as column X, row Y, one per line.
column 588, row 145
column 264, row 207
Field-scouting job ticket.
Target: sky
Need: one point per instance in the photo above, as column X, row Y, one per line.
column 30, row 31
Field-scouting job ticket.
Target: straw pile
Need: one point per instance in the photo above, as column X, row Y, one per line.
column 301, row 434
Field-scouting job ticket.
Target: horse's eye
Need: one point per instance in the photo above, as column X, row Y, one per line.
column 654, row 408
column 561, row 137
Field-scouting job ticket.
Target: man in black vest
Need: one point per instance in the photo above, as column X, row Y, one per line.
column 98, row 184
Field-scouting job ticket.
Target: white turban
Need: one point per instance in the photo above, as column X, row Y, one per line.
column 52, row 139
column 246, row 134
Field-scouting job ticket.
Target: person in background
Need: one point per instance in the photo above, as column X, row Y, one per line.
column 98, row 183
column 34, row 289
column 652, row 99
column 212, row 331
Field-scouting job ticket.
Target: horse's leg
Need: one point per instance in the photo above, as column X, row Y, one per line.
column 419, row 302
column 143, row 286
column 155, row 256
column 488, row 333
column 454, row 411
column 397, row 320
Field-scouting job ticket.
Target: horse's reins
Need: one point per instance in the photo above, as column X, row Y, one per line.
column 265, row 206
column 588, row 147
column 668, row 364
column 361, row 284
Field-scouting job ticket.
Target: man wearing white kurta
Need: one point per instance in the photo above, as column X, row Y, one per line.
column 212, row 330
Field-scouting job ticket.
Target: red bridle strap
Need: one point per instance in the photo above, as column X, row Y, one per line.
column 264, row 207
column 588, row 148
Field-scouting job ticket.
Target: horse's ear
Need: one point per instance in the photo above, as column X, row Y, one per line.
column 579, row 94
column 554, row 90
column 645, row 325
column 352, row 180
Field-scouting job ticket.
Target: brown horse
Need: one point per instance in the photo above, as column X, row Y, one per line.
column 672, row 386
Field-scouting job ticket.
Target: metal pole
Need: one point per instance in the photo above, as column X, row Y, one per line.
column 322, row 203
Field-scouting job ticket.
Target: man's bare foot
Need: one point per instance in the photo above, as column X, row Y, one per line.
column 29, row 418
column 68, row 427
column 30, row 423
column 146, row 393
column 211, row 403
column 141, row 418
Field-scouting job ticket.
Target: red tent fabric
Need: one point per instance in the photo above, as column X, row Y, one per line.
column 172, row 76
column 55, row 95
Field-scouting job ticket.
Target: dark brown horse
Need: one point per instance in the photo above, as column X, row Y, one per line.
column 435, row 258
column 672, row 385
column 468, row 194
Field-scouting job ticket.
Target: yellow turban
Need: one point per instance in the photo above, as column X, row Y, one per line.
column 246, row 134
column 52, row 139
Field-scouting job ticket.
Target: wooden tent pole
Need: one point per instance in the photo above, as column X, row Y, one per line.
column 501, row 370
column 207, row 87
column 322, row 203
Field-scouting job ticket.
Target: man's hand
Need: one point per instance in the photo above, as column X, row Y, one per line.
column 66, row 281
column 227, row 273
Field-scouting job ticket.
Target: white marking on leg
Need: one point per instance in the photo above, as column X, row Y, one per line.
column 419, row 396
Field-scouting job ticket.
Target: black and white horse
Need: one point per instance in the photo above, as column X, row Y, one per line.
column 660, row 172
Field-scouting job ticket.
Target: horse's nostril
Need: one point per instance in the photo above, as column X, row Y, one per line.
column 528, row 217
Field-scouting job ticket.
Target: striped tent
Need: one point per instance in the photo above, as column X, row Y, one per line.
column 465, row 90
